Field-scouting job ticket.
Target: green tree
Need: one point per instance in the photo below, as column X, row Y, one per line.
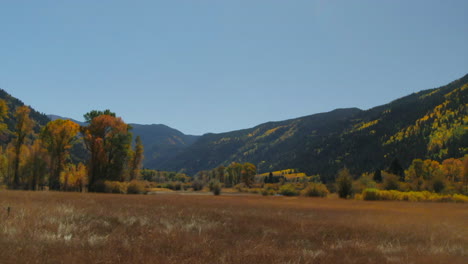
column 378, row 176
column 397, row 169
column 95, row 113
column 248, row 173
column 137, row 159
column 414, row 174
column 344, row 183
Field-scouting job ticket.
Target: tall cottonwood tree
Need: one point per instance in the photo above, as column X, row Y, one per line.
column 36, row 165
column 137, row 159
column 58, row 137
column 74, row 177
column 3, row 127
column 24, row 128
column 3, row 114
column 248, row 173
column 108, row 140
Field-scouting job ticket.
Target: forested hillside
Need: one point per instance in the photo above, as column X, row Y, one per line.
column 428, row 124
column 13, row 103
column 431, row 124
column 161, row 143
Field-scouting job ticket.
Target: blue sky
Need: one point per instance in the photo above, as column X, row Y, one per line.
column 214, row 66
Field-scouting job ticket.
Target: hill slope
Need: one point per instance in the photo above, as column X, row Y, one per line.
column 427, row 124
column 40, row 119
column 161, row 143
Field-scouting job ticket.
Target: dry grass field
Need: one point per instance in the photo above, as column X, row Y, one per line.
column 52, row 227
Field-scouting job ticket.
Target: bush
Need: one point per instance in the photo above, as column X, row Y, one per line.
column 215, row 187
column 438, row 184
column 459, row 198
column 197, row 185
column 254, row 190
column 390, row 181
column 115, row 187
column 288, row 190
column 364, row 182
column 98, row 186
column 241, row 187
column 176, row 186
column 136, row 187
column 266, row 191
column 271, row 186
column 315, row 190
column 392, row 195
column 370, row 194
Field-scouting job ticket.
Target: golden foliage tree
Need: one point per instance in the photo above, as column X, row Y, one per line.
column 3, row 114
column 58, row 137
column 137, row 159
column 24, row 127
column 74, row 177
column 35, row 167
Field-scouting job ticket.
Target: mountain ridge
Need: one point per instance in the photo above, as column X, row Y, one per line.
column 363, row 141
column 430, row 123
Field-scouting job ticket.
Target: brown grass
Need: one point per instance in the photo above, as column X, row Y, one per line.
column 51, row 227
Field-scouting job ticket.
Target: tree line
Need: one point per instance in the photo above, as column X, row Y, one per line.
column 42, row 160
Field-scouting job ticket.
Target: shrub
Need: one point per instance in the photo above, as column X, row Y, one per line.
column 370, row 194
column 241, row 187
column 459, row 198
column 254, row 190
column 266, row 191
column 136, row 187
column 271, row 186
column 99, row 186
column 392, row 195
column 438, row 184
column 197, row 185
column 115, row 187
column 390, row 181
column 288, row 190
column 215, row 187
column 315, row 190
column 176, row 186
column 364, row 182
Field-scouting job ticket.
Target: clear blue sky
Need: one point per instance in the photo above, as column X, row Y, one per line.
column 214, row 66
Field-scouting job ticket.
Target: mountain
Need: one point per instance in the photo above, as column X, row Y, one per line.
column 161, row 143
column 40, row 119
column 55, row 117
column 428, row 124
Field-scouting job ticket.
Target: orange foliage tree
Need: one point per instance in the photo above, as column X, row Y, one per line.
column 108, row 140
